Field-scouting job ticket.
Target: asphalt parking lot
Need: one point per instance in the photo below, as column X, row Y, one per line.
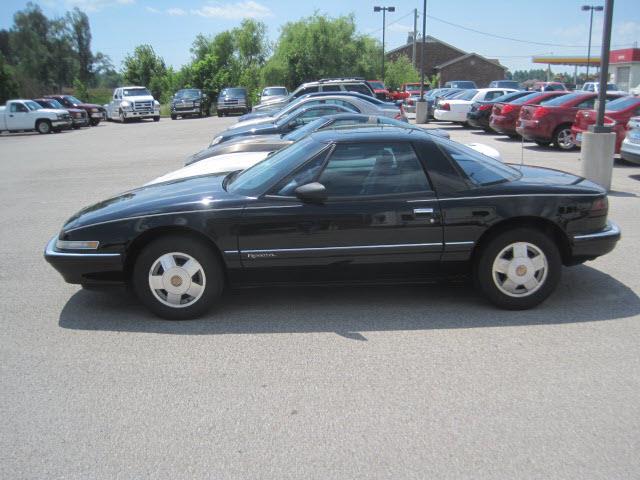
column 377, row 382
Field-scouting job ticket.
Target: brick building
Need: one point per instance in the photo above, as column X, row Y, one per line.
column 451, row 62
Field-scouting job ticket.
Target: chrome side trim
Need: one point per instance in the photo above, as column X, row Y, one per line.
column 354, row 247
column 459, row 243
column 137, row 217
column 612, row 230
column 49, row 251
column 525, row 195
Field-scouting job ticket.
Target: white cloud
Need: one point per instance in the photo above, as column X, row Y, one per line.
column 623, row 34
column 152, row 10
column 95, row 5
column 400, row 28
column 233, row 11
column 176, row 11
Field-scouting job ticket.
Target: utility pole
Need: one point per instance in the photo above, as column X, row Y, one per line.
column 421, row 105
column 415, row 35
column 384, row 11
column 590, row 8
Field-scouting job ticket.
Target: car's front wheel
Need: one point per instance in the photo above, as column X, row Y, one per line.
column 43, row 126
column 518, row 269
column 178, row 277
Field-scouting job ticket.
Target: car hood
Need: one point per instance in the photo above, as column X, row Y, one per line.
column 178, row 195
column 138, row 98
column 218, row 164
column 56, row 111
column 251, row 122
column 258, row 128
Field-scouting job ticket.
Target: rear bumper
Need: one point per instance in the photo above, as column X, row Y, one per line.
column 533, row 130
column 478, row 119
column 596, row 244
column 88, row 268
column 503, row 125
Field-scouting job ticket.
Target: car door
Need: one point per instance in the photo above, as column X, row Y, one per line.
column 115, row 104
column 380, row 219
column 18, row 117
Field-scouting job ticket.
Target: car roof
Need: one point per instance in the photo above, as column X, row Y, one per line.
column 383, row 133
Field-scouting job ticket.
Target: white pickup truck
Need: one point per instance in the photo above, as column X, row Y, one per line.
column 132, row 103
column 22, row 115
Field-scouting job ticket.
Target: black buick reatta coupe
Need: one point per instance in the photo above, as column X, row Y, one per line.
column 358, row 205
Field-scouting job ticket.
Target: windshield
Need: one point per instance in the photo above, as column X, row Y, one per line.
column 188, row 93
column 562, row 99
column 623, row 103
column 234, row 92
column 274, row 91
column 73, row 99
column 31, row 105
column 414, row 87
column 135, row 92
column 54, row 104
column 258, row 178
column 377, row 85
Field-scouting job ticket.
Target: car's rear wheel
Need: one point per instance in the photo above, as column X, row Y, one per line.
column 518, row 269
column 156, row 119
column 43, row 126
column 178, row 277
column 564, row 139
column 173, row 116
column 95, row 122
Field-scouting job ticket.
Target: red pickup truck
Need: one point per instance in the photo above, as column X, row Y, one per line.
column 617, row 114
column 550, row 122
column 406, row 89
column 94, row 112
column 379, row 89
column 504, row 115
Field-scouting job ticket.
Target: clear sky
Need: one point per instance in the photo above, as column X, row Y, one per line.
column 171, row 25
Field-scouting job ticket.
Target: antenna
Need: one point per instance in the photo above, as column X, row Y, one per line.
column 521, row 151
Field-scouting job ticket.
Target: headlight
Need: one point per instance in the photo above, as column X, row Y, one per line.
column 156, row 103
column 94, row 110
column 60, row 116
column 125, row 104
column 77, row 244
column 216, row 140
column 196, row 103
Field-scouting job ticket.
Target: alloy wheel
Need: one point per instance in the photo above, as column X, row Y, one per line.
column 566, row 141
column 520, row 269
column 177, row 279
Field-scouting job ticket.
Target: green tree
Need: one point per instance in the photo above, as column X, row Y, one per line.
column 144, row 67
column 80, row 38
column 400, row 71
column 8, row 86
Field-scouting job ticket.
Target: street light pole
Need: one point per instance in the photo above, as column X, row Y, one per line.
column 384, row 11
column 590, row 8
column 422, row 115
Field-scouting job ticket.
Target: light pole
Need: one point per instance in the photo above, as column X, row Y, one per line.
column 590, row 8
column 384, row 11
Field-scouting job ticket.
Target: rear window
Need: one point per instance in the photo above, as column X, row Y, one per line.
column 234, row 92
column 378, row 85
column 357, row 87
column 622, row 103
column 466, row 95
column 479, row 168
column 562, row 99
column 526, row 98
column 507, row 97
column 274, row 91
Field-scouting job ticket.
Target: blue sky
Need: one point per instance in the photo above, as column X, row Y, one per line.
column 171, row 25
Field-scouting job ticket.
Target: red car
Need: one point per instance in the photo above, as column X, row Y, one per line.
column 380, row 91
column 504, row 115
column 550, row 122
column 94, row 112
column 617, row 114
column 79, row 117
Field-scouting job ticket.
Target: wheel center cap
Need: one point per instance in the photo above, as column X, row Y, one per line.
column 521, row 271
column 176, row 281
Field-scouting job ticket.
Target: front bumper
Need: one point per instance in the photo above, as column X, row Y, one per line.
column 596, row 244
column 630, row 151
column 64, row 123
column 81, row 121
column 185, row 110
column 141, row 114
column 87, row 268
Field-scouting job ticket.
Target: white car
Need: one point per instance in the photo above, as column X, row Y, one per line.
column 19, row 115
column 270, row 94
column 630, row 149
column 455, row 109
column 132, row 103
column 595, row 87
column 230, row 162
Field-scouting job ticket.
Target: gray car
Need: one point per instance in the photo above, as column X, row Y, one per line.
column 352, row 103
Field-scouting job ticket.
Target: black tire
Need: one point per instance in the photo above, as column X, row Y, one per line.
column 123, row 119
column 95, row 122
column 540, row 143
column 513, row 136
column 200, row 251
column 219, row 114
column 43, row 127
column 562, row 138
column 156, row 119
column 173, row 117
column 484, row 275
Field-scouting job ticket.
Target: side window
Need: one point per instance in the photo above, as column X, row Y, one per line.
column 480, row 169
column 344, row 104
column 373, row 169
column 331, row 88
column 358, row 87
column 305, row 174
column 492, row 95
column 340, row 123
column 18, row 107
column 589, row 103
column 306, row 90
column 314, row 113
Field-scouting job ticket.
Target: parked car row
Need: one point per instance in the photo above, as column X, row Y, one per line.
column 299, row 196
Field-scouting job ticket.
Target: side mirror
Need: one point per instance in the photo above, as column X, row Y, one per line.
column 311, row 193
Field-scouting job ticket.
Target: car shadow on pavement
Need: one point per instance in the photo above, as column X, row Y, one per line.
column 585, row 295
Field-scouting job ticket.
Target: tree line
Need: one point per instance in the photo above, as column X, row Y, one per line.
column 42, row 55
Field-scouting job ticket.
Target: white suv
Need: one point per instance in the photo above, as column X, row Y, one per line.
column 132, row 103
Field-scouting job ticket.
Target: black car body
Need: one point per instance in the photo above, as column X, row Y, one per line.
column 190, row 101
column 285, row 124
column 375, row 204
column 479, row 115
column 233, row 100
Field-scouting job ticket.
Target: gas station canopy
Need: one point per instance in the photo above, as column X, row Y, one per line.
column 574, row 60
